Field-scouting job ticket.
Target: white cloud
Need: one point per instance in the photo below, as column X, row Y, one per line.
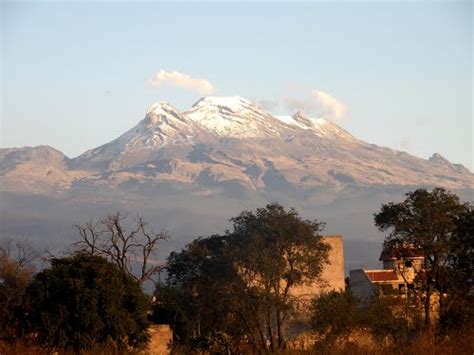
column 317, row 103
column 330, row 105
column 175, row 78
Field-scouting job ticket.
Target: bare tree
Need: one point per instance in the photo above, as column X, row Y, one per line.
column 133, row 251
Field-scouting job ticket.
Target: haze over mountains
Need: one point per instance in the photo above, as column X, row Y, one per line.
column 190, row 171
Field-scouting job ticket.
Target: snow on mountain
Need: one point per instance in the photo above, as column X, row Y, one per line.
column 320, row 126
column 163, row 125
column 232, row 117
column 227, row 143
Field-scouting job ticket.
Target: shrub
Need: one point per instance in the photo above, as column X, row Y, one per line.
column 85, row 301
column 334, row 314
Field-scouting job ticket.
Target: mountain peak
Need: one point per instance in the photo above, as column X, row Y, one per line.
column 233, row 103
column 159, row 111
column 223, row 103
column 231, row 116
column 229, row 141
column 438, row 158
column 161, row 108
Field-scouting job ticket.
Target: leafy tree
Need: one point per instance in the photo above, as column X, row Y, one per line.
column 427, row 221
column 462, row 253
column 275, row 251
column 335, row 314
column 85, row 301
column 240, row 284
column 200, row 295
column 460, row 302
column 384, row 317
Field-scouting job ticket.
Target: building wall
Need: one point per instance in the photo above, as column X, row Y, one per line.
column 332, row 275
column 361, row 286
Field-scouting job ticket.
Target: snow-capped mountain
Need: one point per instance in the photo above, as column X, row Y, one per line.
column 190, row 171
column 229, row 141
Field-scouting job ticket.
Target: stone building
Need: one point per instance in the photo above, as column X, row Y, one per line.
column 332, row 275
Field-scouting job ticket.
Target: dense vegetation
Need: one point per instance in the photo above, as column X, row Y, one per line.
column 439, row 227
column 232, row 293
column 237, row 287
column 83, row 301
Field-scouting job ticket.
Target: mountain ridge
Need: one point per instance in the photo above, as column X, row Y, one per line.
column 189, row 177
column 230, row 141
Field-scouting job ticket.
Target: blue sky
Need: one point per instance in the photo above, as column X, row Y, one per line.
column 77, row 75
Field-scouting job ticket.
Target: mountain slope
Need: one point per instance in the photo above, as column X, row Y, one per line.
column 189, row 172
column 41, row 169
column 229, row 143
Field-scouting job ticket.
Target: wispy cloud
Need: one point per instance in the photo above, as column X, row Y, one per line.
column 176, row 78
column 317, row 102
column 330, row 105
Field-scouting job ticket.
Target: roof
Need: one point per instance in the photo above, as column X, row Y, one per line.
column 381, row 275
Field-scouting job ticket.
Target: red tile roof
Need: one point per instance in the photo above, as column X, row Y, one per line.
column 381, row 275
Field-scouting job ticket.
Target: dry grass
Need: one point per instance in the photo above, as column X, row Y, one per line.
column 460, row 342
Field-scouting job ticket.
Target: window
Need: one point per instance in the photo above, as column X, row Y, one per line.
column 408, row 263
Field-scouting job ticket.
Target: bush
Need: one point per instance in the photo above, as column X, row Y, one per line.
column 16, row 272
column 84, row 301
column 380, row 317
column 337, row 314
column 334, row 314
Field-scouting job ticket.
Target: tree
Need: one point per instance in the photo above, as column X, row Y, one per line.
column 132, row 251
column 240, row 284
column 335, row 314
column 84, row 301
column 275, row 251
column 426, row 221
column 460, row 305
column 16, row 271
column 199, row 299
column 385, row 318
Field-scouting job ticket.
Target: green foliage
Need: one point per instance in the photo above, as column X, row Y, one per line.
column 380, row 316
column 239, row 284
column 84, row 301
column 424, row 219
column 460, row 299
column 277, row 245
column 199, row 297
column 430, row 223
column 335, row 314
column 274, row 251
column 16, row 271
column 461, row 254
